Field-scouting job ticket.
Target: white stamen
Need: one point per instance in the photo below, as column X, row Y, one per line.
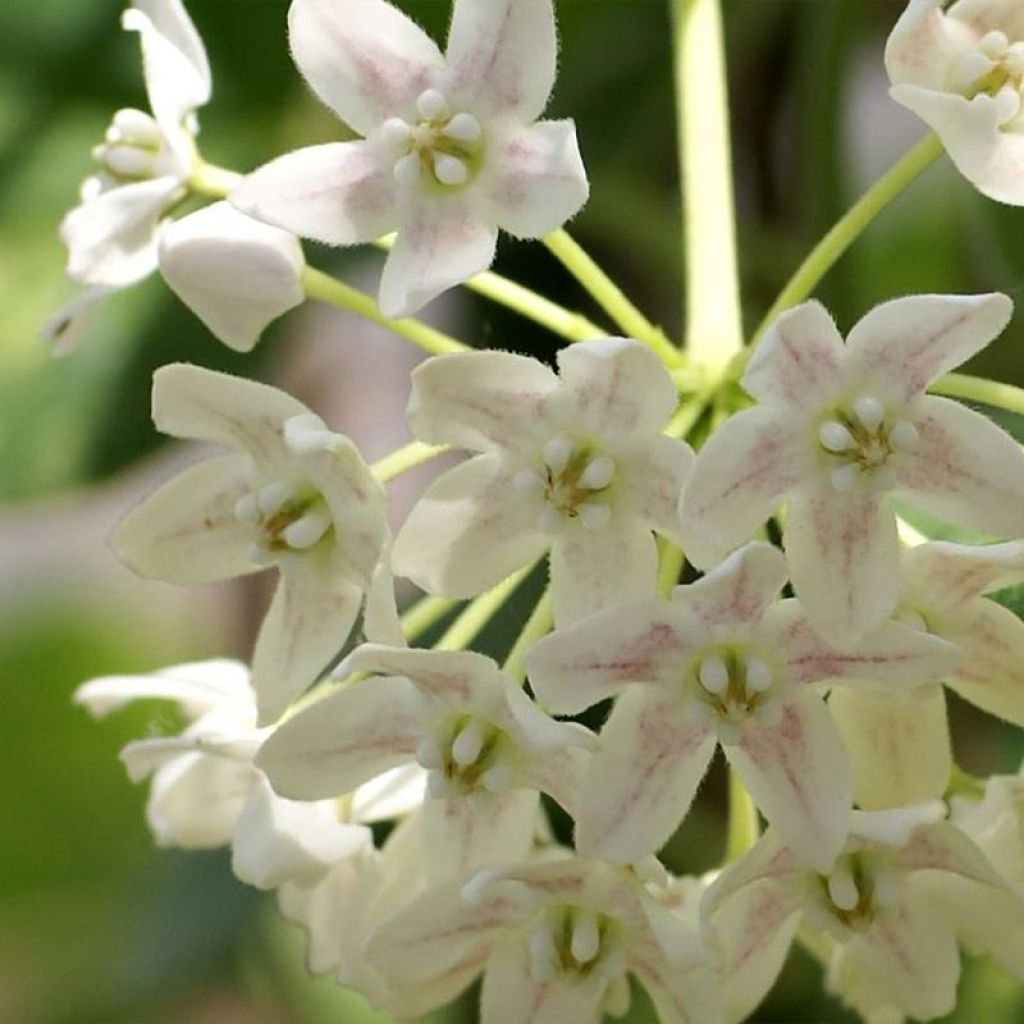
column 437, row 786
column 613, row 964
column 92, row 187
column 903, row 434
column 759, row 674
column 113, row 135
column 429, row 752
column 594, row 516
column 247, row 511
column 468, row 744
column 845, row 476
column 713, row 674
column 994, row 44
column 586, row 937
column 550, row 520
column 869, row 411
column 543, row 955
column 557, row 453
column 274, row 496
column 842, row 889
column 450, row 170
column 464, row 128
column 834, row 436
column 135, row 125
column 1014, row 59
column 306, row 531
column 394, row 131
column 127, row 160
column 431, row 104
column 407, row 170
column 499, row 777
column 1007, row 102
column 528, row 482
column 599, row 473
column 969, row 69
column 260, row 555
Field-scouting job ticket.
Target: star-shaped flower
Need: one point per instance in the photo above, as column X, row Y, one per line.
column 840, row 427
column 293, row 495
column 574, row 463
column 489, row 750
column 962, row 72
column 452, row 148
column 722, row 662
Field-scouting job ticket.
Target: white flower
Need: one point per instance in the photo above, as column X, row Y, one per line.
column 891, row 944
column 962, row 71
column 899, row 743
column 722, row 662
column 487, row 747
column 556, row 941
column 452, row 149
column 837, row 429
column 292, row 494
column 235, row 273
column 574, row 463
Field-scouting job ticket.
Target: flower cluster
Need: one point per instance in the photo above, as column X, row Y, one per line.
column 815, row 662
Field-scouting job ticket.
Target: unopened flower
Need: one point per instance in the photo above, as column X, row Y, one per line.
column 487, row 747
column 556, row 940
column 722, row 662
column 841, row 427
column 452, row 148
column 962, row 72
column 573, row 463
column 292, row 494
column 235, row 273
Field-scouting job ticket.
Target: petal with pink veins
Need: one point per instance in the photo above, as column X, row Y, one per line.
column 944, row 576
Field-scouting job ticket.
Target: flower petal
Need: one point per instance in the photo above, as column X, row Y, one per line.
column 653, row 471
column 844, row 560
column 797, row 363
column 898, row 744
column 381, row 622
column 770, row 858
column 112, row 238
column 964, row 469
column 305, row 628
column 681, row 993
column 339, row 193
column 903, row 345
column 479, row 400
column 946, row 576
column 799, row 776
column 942, row 846
column 619, row 387
column 394, row 794
column 64, row 329
column 364, row 58
column 738, row 480
column 984, row 15
column 187, row 531
column 536, row 180
column 344, row 740
column 443, row 243
column 923, row 44
column 991, row 673
column 1001, row 179
column 642, row 778
column 502, row 55
column 596, row 569
column 470, row 530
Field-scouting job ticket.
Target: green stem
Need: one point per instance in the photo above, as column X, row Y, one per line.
column 714, row 326
column 607, row 294
column 743, row 823
column 977, row 389
column 670, row 564
column 321, row 286
column 537, row 625
column 850, row 226
column 962, row 783
column 475, row 616
column 424, row 614
column 405, row 458
column 686, row 416
column 212, row 181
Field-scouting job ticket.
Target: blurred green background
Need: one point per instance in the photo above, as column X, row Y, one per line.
column 96, row 925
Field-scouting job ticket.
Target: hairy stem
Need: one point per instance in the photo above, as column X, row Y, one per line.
column 977, row 389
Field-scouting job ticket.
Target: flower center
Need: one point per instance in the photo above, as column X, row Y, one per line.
column 573, row 943
column 463, row 753
column 995, row 68
column 861, row 439
column 133, row 149
column 440, row 146
column 856, row 890
column 285, row 516
column 573, row 482
column 727, row 686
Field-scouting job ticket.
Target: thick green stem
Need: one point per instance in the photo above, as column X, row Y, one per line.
column 321, row 286
column 977, row 389
column 607, row 294
column 743, row 823
column 405, row 458
column 471, row 621
column 537, row 625
column 714, row 327
column 850, row 226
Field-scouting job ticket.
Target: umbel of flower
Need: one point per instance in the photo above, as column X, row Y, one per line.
column 488, row 748
column 292, row 494
column 720, row 662
column 574, row 463
column 899, row 743
column 962, row 72
column 556, row 940
column 890, row 944
column 839, row 428
column 451, row 151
